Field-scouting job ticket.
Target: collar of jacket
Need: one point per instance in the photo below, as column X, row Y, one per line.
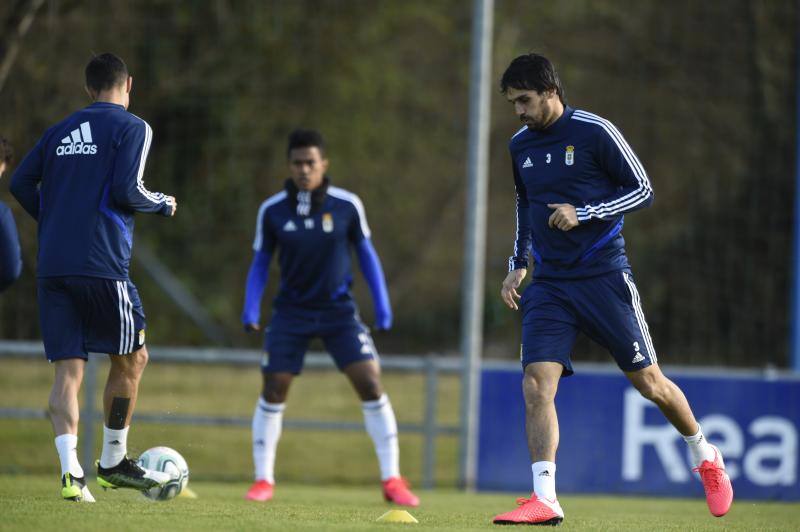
column 317, row 196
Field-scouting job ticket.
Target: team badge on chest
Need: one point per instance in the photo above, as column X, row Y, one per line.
column 327, row 222
column 569, row 156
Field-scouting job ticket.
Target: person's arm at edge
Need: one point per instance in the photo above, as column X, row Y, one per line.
column 371, row 268
column 10, row 255
column 257, row 278
column 24, row 184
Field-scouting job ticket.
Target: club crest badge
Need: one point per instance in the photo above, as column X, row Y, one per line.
column 327, row 222
column 569, row 155
column 141, row 336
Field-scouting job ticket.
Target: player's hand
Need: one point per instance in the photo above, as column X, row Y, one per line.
column 383, row 322
column 509, row 290
column 564, row 216
column 172, row 202
column 251, row 327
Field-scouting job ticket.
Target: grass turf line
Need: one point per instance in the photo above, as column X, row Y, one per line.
column 33, row 503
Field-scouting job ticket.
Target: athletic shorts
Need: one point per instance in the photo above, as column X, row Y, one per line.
column 79, row 315
column 287, row 337
column 606, row 308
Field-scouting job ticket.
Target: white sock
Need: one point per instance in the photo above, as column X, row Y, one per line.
column 267, row 425
column 382, row 428
column 699, row 447
column 115, row 446
column 67, row 447
column 544, row 479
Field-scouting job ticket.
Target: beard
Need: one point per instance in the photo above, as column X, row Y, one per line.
column 532, row 123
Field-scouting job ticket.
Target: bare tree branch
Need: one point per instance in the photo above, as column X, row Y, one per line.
column 11, row 46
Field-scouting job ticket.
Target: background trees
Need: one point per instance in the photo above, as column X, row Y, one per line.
column 704, row 92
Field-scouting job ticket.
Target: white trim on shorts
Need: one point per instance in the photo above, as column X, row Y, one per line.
column 127, row 333
column 637, row 307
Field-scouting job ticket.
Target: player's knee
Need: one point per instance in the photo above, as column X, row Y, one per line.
column 537, row 390
column 655, row 390
column 274, row 395
column 370, row 390
column 130, row 366
column 140, row 358
column 275, row 390
column 137, row 361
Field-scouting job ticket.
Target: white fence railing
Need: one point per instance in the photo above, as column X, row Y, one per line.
column 430, row 366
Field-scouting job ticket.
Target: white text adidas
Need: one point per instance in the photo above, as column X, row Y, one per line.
column 79, row 142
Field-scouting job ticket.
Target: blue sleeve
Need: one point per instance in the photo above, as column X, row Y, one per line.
column 127, row 180
column 10, row 255
column 373, row 272
column 619, row 161
column 25, row 181
column 257, row 279
column 522, row 239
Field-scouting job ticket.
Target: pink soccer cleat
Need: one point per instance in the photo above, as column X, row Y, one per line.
column 396, row 490
column 533, row 511
column 261, row 491
column 717, row 483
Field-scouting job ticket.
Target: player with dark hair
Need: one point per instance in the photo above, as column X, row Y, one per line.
column 83, row 182
column 10, row 254
column 575, row 178
column 314, row 225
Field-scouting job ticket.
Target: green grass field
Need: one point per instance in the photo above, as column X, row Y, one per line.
column 32, row 503
column 326, row 480
column 223, row 453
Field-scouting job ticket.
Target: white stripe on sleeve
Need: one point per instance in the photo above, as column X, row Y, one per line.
column 272, row 200
column 633, row 198
column 341, row 193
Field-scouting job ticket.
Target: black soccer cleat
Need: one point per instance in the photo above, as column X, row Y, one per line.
column 128, row 474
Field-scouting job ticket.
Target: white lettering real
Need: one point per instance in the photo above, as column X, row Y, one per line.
column 765, row 463
column 637, row 435
column 784, row 451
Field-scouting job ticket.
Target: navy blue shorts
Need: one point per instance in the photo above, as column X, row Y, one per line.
column 79, row 315
column 606, row 308
column 345, row 337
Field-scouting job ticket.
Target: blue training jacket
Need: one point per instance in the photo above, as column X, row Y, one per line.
column 314, row 255
column 83, row 182
column 10, row 255
column 583, row 160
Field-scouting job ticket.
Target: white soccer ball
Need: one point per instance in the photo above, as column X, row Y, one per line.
column 168, row 461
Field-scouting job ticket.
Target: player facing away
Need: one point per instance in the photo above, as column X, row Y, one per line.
column 83, row 182
column 575, row 178
column 10, row 255
column 314, row 225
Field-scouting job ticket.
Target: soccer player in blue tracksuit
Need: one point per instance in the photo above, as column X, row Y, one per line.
column 313, row 225
column 576, row 177
column 10, row 255
column 83, row 182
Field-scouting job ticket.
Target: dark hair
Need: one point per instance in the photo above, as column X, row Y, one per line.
column 532, row 72
column 305, row 138
column 6, row 151
column 105, row 71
